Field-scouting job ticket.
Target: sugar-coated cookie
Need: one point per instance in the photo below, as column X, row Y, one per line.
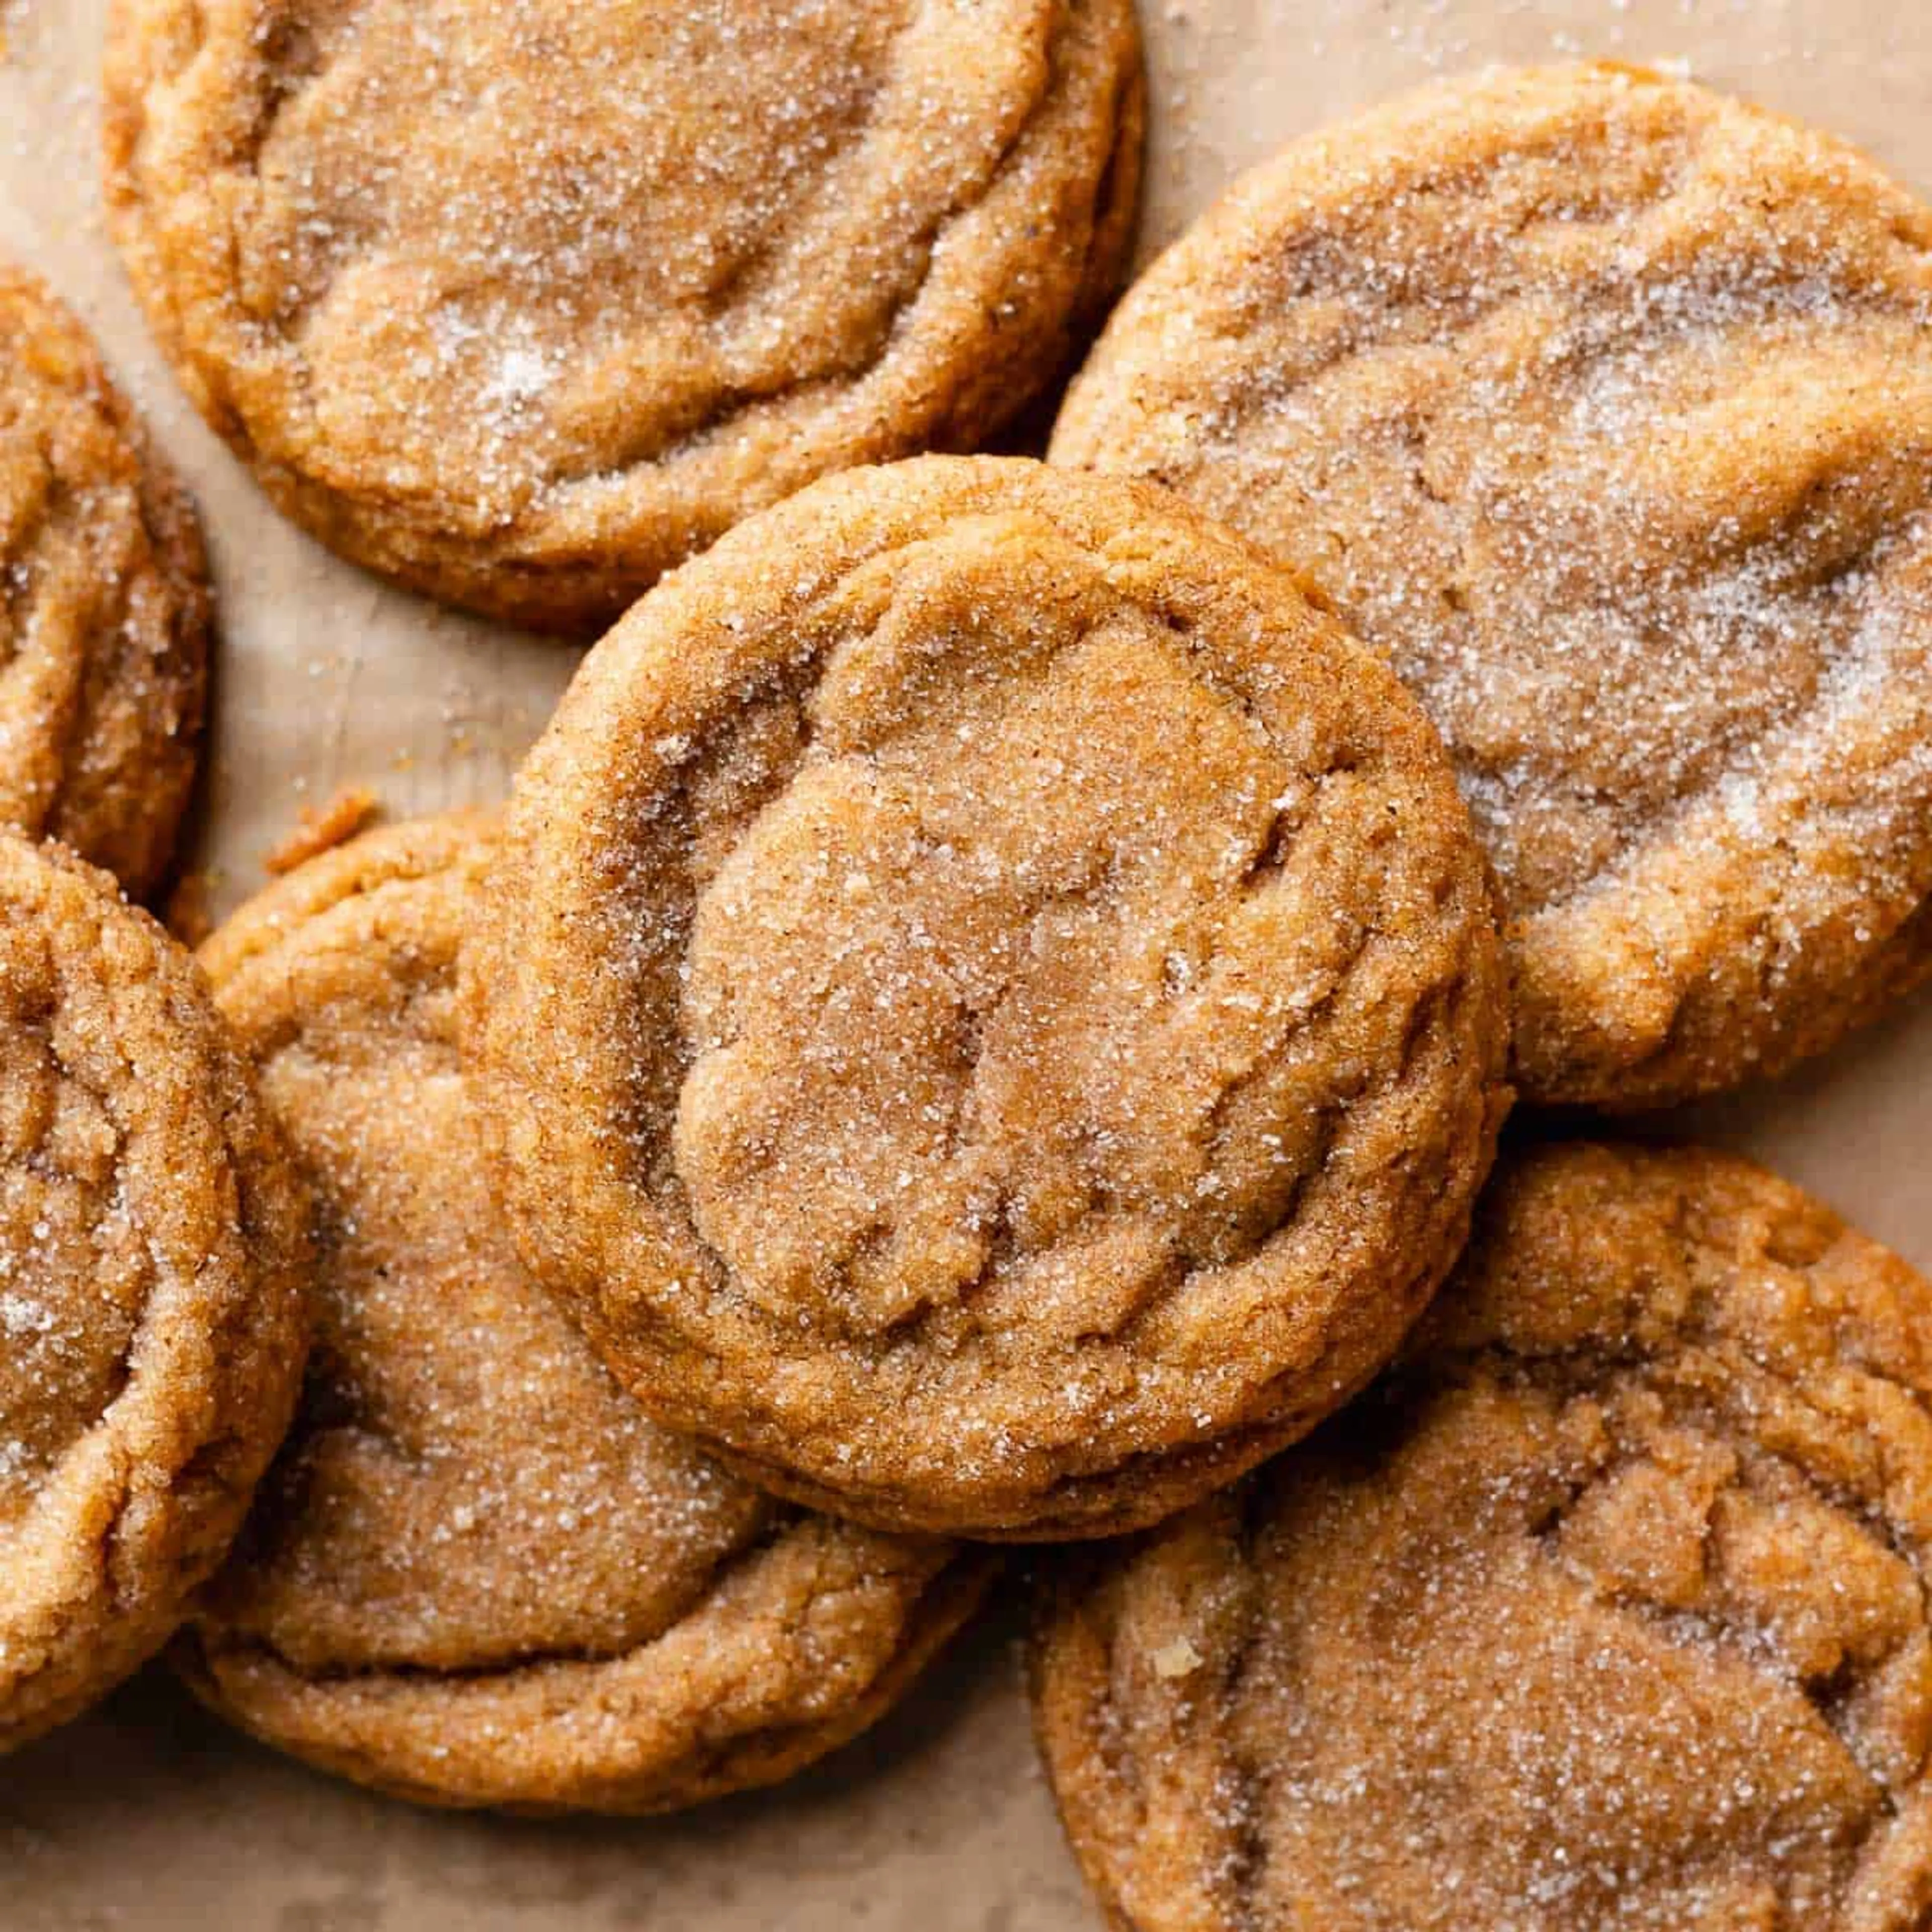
column 1604, row 403
column 991, row 1007
column 154, row 1258
column 478, row 1575
column 520, row 301
column 1605, row 1613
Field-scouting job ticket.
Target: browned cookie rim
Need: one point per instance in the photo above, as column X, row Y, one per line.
column 380, row 1727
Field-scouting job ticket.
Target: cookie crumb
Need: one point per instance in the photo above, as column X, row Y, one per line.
column 1178, row 1659
column 319, row 829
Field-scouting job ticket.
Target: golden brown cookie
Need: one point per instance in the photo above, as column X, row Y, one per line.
column 478, row 1575
column 153, row 1252
column 993, row 1006
column 1606, row 1612
column 1604, row 403
column 521, row 301
column 104, row 604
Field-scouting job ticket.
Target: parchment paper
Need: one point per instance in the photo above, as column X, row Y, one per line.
column 148, row 1815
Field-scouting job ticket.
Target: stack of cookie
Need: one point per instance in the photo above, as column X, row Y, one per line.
column 988, row 1014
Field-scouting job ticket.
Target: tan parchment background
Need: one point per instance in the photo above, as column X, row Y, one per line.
column 148, row 1816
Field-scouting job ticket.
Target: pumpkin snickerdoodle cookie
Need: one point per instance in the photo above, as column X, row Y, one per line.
column 1604, row 403
column 154, row 1246
column 104, row 604
column 992, row 1007
column 479, row 1575
column 520, row 301
column 1605, row 1612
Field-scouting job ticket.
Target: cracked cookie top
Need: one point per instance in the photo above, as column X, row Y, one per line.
column 522, row 301
column 154, row 1246
column 1607, row 1609
column 1604, row 404
column 993, row 1007
column 478, row 1574
column 104, row 604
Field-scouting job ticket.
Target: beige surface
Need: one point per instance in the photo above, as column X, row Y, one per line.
column 147, row 1816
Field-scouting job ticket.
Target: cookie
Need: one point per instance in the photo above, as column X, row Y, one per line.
column 521, row 301
column 1607, row 1609
column 154, row 1250
column 1604, row 404
column 104, row 605
column 991, row 1003
column 477, row 1576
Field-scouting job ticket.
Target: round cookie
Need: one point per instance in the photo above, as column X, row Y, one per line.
column 520, row 302
column 104, row 604
column 1604, row 403
column 479, row 1575
column 154, row 1253
column 994, row 1008
column 1605, row 1609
